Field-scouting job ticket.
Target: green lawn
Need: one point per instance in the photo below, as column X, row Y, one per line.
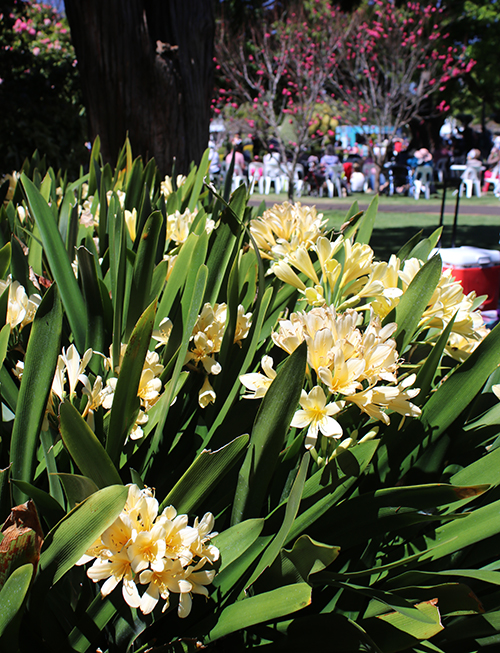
column 397, row 221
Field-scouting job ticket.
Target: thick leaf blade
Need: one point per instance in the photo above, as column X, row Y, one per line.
column 206, row 471
column 72, row 536
column 453, row 396
column 40, row 363
column 268, row 433
column 85, row 449
column 95, row 332
column 261, row 608
column 140, row 289
column 413, row 629
column 292, row 507
column 59, row 262
column 415, row 300
column 77, row 488
column 125, row 401
column 12, row 596
column 367, row 222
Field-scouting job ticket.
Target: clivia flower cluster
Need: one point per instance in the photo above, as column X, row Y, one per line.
column 71, row 370
column 21, row 309
column 206, row 341
column 352, row 359
column 346, row 275
column 159, row 553
column 347, row 365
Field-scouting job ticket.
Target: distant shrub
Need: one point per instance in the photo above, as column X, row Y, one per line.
column 39, row 88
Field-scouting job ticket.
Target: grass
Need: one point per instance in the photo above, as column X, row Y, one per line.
column 399, row 218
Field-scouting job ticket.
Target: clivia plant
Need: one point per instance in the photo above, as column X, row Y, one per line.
column 226, row 428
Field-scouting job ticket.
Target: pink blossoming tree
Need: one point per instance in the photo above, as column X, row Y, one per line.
column 377, row 68
column 278, row 68
column 391, row 63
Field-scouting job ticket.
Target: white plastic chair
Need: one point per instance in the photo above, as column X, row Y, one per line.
column 471, row 180
column 496, row 187
column 298, row 179
column 255, row 177
column 441, row 169
column 334, row 174
column 273, row 172
column 422, row 182
column 236, row 181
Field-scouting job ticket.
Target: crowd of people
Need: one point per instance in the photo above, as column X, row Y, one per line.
column 348, row 170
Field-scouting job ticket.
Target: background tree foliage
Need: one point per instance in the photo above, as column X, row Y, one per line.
column 40, row 97
column 477, row 25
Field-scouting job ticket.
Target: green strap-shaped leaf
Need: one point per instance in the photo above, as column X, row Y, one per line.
column 309, row 557
column 483, row 470
column 320, row 497
column 413, row 628
column 236, row 540
column 222, row 247
column 428, row 371
column 292, row 507
column 268, row 435
column 85, row 449
column 242, row 555
column 98, row 614
column 397, row 603
column 135, row 185
column 117, row 271
column 5, row 255
column 39, row 366
column 203, row 475
column 94, row 159
column 35, row 253
column 125, row 401
column 77, row 488
column 49, row 454
column 478, row 525
column 4, row 342
column 192, row 299
column 408, row 247
column 140, row 290
column 8, row 389
column 198, row 182
column 367, row 222
column 414, row 302
column 47, row 506
column 72, row 536
column 19, row 264
column 59, row 262
column 95, row 337
column 251, row 344
column 12, row 597
column 453, row 396
column 261, row 608
column 423, row 249
column 177, row 277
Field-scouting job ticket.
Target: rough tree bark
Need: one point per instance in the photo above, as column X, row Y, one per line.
column 147, row 70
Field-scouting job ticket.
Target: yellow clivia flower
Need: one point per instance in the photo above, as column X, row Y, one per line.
column 259, row 383
column 317, row 415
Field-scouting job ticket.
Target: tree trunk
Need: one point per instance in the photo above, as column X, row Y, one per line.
column 147, row 69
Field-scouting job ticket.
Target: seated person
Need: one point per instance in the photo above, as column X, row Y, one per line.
column 328, row 160
column 423, row 157
column 272, row 163
column 474, row 159
column 239, row 161
column 357, row 179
